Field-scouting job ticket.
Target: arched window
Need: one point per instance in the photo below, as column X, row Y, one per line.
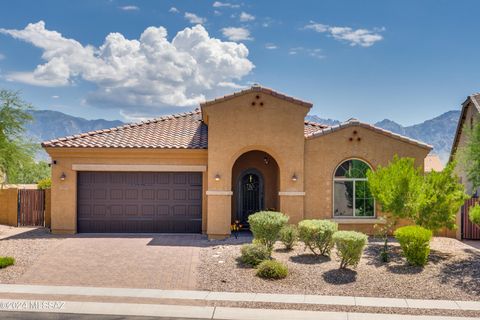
column 351, row 195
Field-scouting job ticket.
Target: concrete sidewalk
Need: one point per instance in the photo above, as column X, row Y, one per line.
column 239, row 296
column 196, row 312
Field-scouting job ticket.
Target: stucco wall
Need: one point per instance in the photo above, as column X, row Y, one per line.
column 64, row 193
column 8, row 206
column 236, row 126
column 324, row 153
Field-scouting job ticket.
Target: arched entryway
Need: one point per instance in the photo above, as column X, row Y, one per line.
column 255, row 183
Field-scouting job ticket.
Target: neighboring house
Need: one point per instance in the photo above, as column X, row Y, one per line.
column 468, row 118
column 433, row 163
column 200, row 171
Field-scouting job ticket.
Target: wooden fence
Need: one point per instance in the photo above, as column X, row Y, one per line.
column 31, row 207
column 470, row 231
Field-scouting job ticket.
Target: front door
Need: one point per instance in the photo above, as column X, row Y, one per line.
column 250, row 197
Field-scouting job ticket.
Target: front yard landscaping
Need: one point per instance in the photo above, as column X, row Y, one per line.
column 452, row 272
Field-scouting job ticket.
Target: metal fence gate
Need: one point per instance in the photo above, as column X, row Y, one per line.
column 470, row 231
column 31, row 207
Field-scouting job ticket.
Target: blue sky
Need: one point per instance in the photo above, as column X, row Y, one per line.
column 403, row 60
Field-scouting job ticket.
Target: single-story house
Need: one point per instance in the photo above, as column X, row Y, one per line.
column 202, row 170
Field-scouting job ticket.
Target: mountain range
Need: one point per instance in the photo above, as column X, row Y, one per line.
column 438, row 132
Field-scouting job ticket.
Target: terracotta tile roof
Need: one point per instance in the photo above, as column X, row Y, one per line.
column 180, row 131
column 258, row 88
column 354, row 122
column 311, row 127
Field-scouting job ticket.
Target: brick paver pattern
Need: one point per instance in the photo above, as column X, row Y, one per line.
column 130, row 261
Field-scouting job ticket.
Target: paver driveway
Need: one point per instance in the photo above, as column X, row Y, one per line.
column 135, row 261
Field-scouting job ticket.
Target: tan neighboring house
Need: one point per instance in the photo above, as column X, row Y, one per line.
column 433, row 163
column 468, row 117
column 202, row 170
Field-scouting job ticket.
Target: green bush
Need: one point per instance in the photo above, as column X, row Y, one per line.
column 272, row 269
column 474, row 214
column 317, row 235
column 415, row 243
column 289, row 236
column 349, row 246
column 6, row 261
column 44, row 184
column 266, row 225
column 253, row 254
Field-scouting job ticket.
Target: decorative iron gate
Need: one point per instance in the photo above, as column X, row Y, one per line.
column 470, row 231
column 31, row 207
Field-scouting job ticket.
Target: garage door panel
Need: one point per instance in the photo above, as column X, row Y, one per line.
column 139, row 202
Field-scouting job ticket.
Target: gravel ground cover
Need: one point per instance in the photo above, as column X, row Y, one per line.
column 453, row 273
column 26, row 248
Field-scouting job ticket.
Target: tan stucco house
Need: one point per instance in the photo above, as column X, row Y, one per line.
column 199, row 171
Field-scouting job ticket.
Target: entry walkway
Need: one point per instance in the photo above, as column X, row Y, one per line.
column 205, row 296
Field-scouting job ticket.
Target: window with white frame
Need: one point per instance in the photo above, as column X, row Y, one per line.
column 351, row 195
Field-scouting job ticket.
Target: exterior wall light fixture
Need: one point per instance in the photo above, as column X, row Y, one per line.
column 63, row 176
column 294, row 177
column 217, row 177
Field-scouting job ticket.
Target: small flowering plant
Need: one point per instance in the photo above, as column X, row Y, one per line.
column 235, row 228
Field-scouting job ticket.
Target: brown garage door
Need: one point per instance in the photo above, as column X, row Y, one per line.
column 139, row 202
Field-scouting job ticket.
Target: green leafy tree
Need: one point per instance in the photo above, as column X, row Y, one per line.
column 474, row 214
column 440, row 198
column 469, row 154
column 396, row 188
column 17, row 163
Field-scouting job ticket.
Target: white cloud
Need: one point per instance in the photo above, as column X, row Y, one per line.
column 174, row 10
column 55, row 97
column 271, row 46
column 361, row 37
column 218, row 4
column 217, row 13
column 2, row 56
column 244, row 17
column 139, row 76
column 314, row 53
column 236, row 34
column 194, row 19
column 129, row 8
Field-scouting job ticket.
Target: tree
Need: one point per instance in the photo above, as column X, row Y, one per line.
column 17, row 163
column 469, row 154
column 430, row 200
column 396, row 188
column 440, row 199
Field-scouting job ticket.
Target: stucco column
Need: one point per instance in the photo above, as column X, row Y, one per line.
column 219, row 206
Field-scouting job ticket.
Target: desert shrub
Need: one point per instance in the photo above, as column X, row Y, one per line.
column 254, row 254
column 289, row 236
column 474, row 214
column 44, row 183
column 349, row 246
column 6, row 261
column 266, row 225
column 415, row 243
column 317, row 235
column 272, row 269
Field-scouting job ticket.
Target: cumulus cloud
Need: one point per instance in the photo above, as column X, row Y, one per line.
column 236, row 34
column 139, row 76
column 194, row 19
column 174, row 10
column 361, row 37
column 244, row 17
column 218, row 4
column 129, row 8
